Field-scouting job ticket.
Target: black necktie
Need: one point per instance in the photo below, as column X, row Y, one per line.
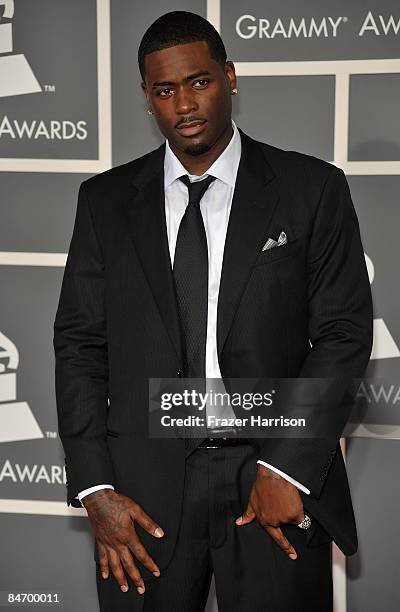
column 191, row 278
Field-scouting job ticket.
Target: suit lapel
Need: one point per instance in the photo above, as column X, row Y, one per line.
column 146, row 215
column 253, row 205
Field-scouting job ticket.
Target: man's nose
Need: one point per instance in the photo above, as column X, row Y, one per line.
column 184, row 101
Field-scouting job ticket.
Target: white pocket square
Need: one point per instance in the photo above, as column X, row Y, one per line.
column 271, row 243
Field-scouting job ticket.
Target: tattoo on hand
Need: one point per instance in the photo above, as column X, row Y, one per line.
column 272, row 476
column 110, row 515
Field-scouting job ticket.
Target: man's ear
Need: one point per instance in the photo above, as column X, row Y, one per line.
column 231, row 74
column 145, row 92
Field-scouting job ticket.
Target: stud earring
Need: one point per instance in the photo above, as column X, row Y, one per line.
column 234, row 91
column 150, row 112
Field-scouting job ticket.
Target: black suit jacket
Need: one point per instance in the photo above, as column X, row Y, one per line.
column 117, row 324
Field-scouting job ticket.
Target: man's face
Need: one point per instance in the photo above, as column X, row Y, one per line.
column 190, row 95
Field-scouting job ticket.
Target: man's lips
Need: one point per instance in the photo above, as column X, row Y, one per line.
column 191, row 128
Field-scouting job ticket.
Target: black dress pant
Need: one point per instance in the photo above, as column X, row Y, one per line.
column 252, row 574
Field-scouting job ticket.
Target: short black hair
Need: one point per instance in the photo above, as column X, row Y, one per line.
column 180, row 28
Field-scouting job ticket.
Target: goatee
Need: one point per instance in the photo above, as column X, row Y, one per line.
column 198, row 149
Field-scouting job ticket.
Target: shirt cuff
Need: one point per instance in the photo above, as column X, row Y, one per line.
column 286, row 477
column 85, row 492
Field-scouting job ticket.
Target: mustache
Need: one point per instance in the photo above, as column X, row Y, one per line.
column 188, row 119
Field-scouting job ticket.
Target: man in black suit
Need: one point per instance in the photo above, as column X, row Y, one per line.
column 214, row 255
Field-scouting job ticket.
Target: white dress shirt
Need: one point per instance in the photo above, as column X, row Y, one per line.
column 215, row 207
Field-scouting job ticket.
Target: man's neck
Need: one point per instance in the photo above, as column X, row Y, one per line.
column 199, row 164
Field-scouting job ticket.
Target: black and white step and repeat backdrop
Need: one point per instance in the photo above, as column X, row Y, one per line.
column 322, row 77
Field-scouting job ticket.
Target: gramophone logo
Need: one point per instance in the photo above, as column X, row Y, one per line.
column 16, row 75
column 384, row 346
column 66, row 126
column 16, row 419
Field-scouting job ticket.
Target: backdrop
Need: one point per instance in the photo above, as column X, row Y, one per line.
column 318, row 76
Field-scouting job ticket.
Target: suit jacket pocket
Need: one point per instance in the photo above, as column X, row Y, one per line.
column 278, row 252
column 112, row 434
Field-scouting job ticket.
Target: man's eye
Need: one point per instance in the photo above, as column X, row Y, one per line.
column 201, row 82
column 164, row 92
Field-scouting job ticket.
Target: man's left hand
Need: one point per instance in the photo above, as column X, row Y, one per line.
column 273, row 502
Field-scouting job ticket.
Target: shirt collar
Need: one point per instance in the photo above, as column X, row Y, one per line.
column 224, row 168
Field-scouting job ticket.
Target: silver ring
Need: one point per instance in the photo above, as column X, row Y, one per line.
column 305, row 523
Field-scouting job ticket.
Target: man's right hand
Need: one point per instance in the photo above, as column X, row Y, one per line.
column 112, row 517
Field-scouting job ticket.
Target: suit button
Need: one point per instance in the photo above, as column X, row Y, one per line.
column 179, row 373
